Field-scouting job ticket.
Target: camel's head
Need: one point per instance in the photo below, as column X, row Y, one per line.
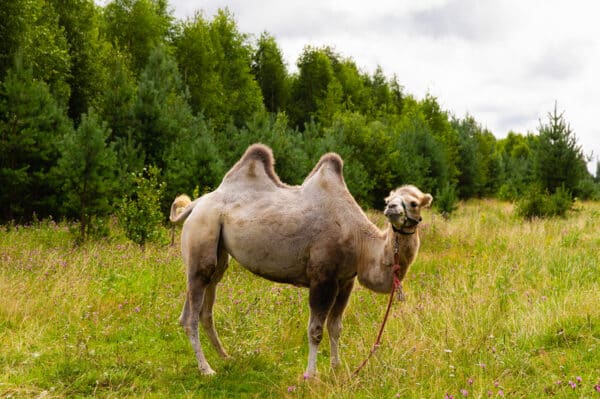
column 403, row 208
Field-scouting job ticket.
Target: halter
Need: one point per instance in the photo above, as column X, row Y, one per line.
column 405, row 225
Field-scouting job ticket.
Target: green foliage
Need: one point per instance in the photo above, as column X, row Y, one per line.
column 339, row 138
column 292, row 163
column 192, row 159
column 559, row 160
column 88, row 52
column 539, row 203
column 136, row 27
column 31, row 125
column 161, row 110
column 422, row 160
column 370, row 159
column 270, row 73
column 477, row 163
column 40, row 43
column 140, row 215
column 215, row 59
column 190, row 96
column 88, row 169
column 441, row 128
column 515, row 158
column 446, row 200
column 310, row 86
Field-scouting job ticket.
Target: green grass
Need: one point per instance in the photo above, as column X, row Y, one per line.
column 495, row 305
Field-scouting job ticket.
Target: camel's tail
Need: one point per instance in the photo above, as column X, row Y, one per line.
column 181, row 208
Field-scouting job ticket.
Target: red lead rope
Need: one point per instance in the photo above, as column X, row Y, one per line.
column 395, row 270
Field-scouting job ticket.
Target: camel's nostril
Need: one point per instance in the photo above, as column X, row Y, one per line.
column 392, row 206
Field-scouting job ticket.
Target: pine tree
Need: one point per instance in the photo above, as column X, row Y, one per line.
column 559, row 160
column 88, row 169
column 31, row 124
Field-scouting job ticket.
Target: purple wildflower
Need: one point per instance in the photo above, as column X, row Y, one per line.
column 501, row 393
column 572, row 384
column 578, row 378
column 291, row 388
column 464, row 392
column 470, row 381
column 597, row 387
column 137, row 309
column 447, row 396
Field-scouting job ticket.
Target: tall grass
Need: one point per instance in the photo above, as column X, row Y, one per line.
column 496, row 307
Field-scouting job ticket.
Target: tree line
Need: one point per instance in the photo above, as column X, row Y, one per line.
column 93, row 97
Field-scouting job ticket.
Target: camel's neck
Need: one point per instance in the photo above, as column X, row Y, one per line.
column 375, row 268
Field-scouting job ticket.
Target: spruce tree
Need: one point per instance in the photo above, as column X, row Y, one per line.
column 31, row 124
column 88, row 169
column 559, row 159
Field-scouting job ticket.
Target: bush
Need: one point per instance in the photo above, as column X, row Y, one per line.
column 507, row 192
column 539, row 203
column 140, row 215
column 587, row 189
column 446, row 200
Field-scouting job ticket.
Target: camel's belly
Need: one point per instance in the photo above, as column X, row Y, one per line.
column 273, row 251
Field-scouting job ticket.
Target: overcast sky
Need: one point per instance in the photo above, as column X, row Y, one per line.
column 505, row 62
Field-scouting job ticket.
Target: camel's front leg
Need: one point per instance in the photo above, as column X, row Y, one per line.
column 320, row 299
column 334, row 320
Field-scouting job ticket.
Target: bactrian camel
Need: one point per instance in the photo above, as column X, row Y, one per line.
column 314, row 235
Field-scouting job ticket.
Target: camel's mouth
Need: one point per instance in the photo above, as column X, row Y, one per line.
column 410, row 222
column 399, row 219
column 393, row 215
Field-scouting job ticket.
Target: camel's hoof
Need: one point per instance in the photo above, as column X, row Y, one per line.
column 400, row 296
column 207, row 371
column 309, row 374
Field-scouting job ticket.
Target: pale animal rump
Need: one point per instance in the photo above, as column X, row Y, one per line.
column 314, row 235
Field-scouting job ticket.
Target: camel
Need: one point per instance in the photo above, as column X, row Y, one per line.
column 314, row 235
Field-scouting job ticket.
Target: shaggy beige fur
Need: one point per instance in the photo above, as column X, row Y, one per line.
column 314, row 235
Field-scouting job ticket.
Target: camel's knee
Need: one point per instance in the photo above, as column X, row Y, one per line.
column 315, row 333
column 189, row 325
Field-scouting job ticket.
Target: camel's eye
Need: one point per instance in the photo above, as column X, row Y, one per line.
column 413, row 204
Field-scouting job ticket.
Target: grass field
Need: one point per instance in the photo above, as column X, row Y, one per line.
column 497, row 307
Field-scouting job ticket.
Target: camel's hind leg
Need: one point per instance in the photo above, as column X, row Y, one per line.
column 334, row 319
column 190, row 318
column 199, row 249
column 206, row 316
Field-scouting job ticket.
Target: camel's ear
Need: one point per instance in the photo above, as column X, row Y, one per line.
column 389, row 197
column 426, row 201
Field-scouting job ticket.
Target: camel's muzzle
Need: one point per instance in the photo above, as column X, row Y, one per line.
column 400, row 218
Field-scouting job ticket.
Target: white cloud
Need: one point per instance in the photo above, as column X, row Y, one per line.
column 505, row 62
